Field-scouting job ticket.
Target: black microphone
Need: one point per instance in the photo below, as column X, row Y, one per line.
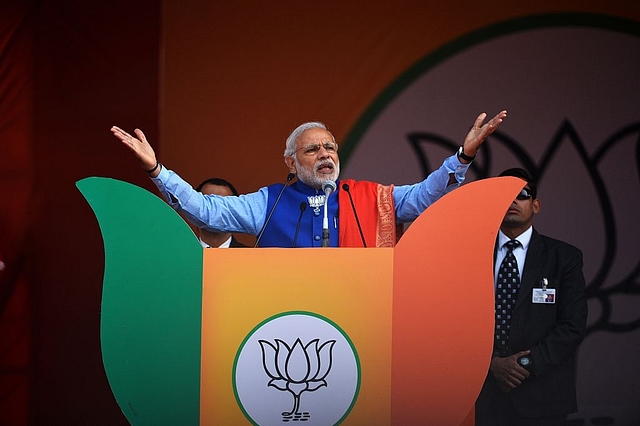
column 303, row 207
column 328, row 187
column 355, row 213
column 290, row 177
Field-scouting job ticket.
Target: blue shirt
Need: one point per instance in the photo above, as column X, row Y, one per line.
column 247, row 213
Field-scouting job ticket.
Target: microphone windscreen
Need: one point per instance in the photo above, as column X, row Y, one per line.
column 329, row 186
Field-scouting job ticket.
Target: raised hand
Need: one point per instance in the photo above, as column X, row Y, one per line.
column 479, row 132
column 140, row 148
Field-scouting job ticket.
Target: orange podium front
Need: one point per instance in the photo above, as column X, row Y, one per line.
column 347, row 291
column 388, row 336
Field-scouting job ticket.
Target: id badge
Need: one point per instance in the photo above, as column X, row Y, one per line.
column 544, row 295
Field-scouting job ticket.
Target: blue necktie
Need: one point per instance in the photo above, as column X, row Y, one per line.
column 507, row 286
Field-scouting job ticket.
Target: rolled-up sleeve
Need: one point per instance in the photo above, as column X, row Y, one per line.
column 411, row 200
column 244, row 213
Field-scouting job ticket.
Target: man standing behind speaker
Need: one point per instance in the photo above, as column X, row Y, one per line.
column 223, row 188
column 311, row 153
column 541, row 315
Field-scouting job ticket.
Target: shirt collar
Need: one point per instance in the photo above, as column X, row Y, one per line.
column 226, row 244
column 524, row 238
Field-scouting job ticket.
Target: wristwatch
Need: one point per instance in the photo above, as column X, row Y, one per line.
column 525, row 361
column 464, row 156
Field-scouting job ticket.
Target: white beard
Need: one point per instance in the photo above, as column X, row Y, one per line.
column 314, row 179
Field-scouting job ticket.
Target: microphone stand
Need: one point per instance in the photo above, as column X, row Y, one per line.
column 325, row 224
column 328, row 187
column 303, row 207
column 355, row 213
column 290, row 177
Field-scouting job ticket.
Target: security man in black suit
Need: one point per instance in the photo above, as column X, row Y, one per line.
column 541, row 315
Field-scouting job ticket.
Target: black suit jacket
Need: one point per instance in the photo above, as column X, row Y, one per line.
column 235, row 243
column 551, row 331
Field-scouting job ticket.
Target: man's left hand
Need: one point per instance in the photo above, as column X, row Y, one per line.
column 479, row 132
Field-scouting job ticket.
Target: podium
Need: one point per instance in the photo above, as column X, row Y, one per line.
column 319, row 336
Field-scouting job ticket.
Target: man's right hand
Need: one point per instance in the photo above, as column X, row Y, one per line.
column 140, row 148
column 507, row 372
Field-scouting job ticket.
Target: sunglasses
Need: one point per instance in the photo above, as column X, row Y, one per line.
column 525, row 194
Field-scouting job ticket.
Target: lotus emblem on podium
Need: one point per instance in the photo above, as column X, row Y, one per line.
column 297, row 369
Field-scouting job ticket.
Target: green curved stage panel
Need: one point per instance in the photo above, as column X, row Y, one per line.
column 152, row 295
column 170, row 361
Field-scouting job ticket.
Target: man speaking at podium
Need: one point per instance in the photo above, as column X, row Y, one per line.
column 316, row 210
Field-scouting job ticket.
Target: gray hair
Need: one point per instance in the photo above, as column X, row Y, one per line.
column 293, row 137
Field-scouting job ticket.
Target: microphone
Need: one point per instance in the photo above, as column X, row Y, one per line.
column 355, row 213
column 303, row 207
column 328, row 187
column 290, row 177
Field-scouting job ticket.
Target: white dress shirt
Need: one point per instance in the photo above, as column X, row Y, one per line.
column 520, row 252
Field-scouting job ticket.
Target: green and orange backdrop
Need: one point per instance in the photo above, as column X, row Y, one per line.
column 216, row 87
column 176, row 323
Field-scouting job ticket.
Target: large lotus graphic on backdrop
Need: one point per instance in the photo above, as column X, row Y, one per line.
column 619, row 269
column 297, row 369
column 573, row 124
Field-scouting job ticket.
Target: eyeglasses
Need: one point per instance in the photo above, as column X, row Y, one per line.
column 314, row 148
column 525, row 194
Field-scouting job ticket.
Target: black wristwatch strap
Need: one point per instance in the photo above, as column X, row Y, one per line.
column 154, row 168
column 464, row 156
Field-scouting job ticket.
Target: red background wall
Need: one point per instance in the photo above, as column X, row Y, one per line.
column 66, row 68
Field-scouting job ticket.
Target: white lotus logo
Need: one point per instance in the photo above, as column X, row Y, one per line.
column 297, row 369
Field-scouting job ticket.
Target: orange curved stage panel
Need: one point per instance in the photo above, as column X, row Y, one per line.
column 320, row 336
